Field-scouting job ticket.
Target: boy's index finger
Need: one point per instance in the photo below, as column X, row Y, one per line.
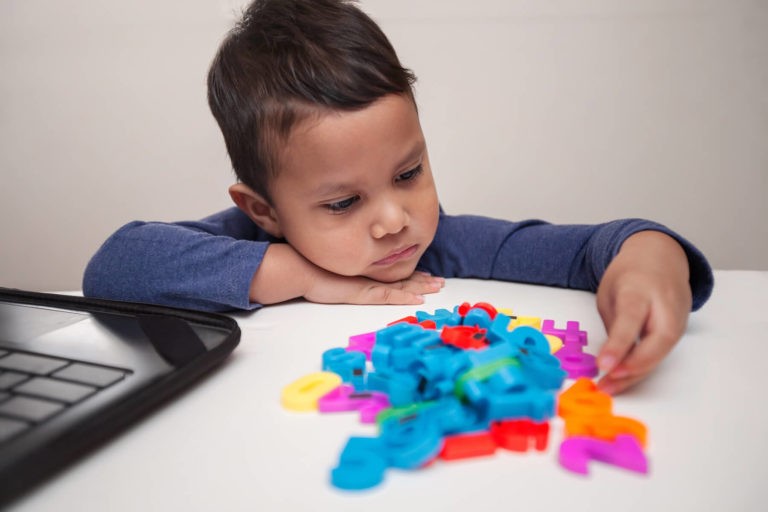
column 623, row 333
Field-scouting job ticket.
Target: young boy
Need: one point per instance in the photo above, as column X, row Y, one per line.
column 336, row 202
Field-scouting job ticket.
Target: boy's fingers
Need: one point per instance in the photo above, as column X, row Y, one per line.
column 411, row 290
column 382, row 294
column 643, row 358
column 648, row 353
column 366, row 291
column 623, row 332
column 613, row 385
column 425, row 284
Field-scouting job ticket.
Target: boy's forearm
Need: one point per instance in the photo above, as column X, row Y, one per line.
column 653, row 251
column 648, row 263
column 282, row 275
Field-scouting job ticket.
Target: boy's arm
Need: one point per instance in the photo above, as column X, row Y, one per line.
column 647, row 278
column 226, row 262
column 205, row 264
column 533, row 251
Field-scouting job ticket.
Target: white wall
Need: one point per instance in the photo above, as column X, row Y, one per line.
column 572, row 111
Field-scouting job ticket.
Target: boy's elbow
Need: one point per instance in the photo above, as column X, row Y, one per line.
column 97, row 281
column 107, row 270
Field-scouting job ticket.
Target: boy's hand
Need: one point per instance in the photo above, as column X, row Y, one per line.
column 284, row 274
column 329, row 288
column 644, row 300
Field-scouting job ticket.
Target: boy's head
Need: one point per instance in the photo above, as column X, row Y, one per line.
column 321, row 126
column 287, row 61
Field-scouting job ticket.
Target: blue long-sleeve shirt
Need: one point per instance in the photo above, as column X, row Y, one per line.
column 209, row 264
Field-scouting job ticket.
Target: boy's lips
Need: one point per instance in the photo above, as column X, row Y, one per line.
column 397, row 255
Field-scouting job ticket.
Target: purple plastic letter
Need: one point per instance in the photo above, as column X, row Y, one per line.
column 570, row 335
column 624, row 451
column 345, row 398
column 576, row 362
column 363, row 343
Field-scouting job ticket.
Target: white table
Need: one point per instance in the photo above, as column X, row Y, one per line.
column 227, row 444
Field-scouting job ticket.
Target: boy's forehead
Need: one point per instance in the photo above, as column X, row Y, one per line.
column 387, row 132
column 325, row 178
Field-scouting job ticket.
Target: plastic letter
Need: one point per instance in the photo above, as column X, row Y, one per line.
column 361, row 465
column 363, row 343
column 570, row 335
column 625, row 452
column 345, row 398
column 583, row 398
column 529, row 339
column 576, row 362
column 464, row 446
column 411, row 441
column 303, row 393
column 348, row 364
column 464, row 336
column 555, row 343
column 519, row 435
column 606, row 427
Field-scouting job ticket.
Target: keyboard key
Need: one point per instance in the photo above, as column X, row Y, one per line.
column 55, row 389
column 90, row 374
column 9, row 428
column 10, row 379
column 38, row 365
column 30, row 409
column 4, row 396
column 3, row 352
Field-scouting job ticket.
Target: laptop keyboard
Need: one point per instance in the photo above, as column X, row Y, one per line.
column 36, row 387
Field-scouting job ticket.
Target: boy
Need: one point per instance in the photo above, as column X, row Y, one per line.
column 337, row 204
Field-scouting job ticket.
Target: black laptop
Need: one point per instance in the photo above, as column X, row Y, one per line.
column 74, row 371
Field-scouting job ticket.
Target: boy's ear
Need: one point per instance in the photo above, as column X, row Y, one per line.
column 256, row 207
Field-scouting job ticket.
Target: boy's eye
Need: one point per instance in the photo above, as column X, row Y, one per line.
column 410, row 175
column 343, row 205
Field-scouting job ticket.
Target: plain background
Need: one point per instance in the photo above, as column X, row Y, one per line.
column 574, row 111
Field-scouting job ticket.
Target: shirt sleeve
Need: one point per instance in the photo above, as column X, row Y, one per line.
column 534, row 251
column 205, row 265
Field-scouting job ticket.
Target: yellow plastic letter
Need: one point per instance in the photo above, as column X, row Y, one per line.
column 303, row 393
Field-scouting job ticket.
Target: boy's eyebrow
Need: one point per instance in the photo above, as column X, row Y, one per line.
column 329, row 189
column 415, row 151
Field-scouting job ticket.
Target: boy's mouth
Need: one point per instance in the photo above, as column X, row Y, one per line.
column 397, row 255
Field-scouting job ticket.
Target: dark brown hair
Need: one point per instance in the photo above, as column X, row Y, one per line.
column 287, row 60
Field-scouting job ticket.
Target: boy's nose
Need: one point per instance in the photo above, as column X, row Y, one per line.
column 391, row 218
